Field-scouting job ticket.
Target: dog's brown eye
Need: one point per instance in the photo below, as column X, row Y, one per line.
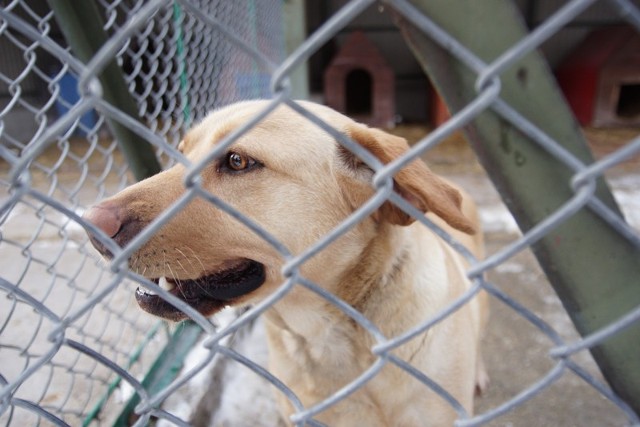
column 237, row 162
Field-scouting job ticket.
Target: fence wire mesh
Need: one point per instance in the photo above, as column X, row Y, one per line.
column 74, row 345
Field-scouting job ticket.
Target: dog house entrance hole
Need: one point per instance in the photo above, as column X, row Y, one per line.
column 359, row 90
column 629, row 101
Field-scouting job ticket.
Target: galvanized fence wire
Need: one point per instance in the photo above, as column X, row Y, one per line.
column 86, row 338
column 183, row 43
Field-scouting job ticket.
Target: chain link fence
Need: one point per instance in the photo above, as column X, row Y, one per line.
column 74, row 346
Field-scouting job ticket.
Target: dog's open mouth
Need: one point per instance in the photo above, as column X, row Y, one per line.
column 206, row 294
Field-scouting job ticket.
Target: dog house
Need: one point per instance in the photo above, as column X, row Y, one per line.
column 601, row 78
column 360, row 83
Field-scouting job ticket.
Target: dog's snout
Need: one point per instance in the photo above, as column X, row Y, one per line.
column 106, row 218
column 110, row 219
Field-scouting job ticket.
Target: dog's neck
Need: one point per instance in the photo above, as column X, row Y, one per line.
column 317, row 333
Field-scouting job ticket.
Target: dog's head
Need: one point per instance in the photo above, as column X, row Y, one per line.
column 291, row 178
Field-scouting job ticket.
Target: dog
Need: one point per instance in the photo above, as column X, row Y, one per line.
column 297, row 182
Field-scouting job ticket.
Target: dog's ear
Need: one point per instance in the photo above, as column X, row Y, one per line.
column 414, row 182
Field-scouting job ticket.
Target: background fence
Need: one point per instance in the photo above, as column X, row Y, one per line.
column 75, row 348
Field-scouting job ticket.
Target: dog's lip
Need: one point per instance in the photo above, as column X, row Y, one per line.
column 207, row 294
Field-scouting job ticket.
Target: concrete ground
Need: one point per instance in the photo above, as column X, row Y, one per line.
column 515, row 351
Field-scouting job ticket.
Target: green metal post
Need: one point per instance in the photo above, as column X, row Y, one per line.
column 178, row 17
column 164, row 369
column 83, row 28
column 293, row 17
column 594, row 270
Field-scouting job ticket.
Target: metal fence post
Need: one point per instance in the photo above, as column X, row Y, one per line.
column 594, row 270
column 83, row 28
column 295, row 33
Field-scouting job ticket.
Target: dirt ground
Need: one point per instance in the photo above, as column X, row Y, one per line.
column 515, row 351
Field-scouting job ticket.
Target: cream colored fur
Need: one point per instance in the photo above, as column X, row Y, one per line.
column 394, row 270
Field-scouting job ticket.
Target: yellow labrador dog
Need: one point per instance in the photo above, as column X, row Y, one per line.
column 295, row 180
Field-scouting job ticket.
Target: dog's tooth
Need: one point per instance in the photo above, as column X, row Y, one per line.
column 165, row 284
column 148, row 292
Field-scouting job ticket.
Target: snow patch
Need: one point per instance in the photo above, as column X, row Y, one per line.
column 497, row 218
column 246, row 398
column 629, row 202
